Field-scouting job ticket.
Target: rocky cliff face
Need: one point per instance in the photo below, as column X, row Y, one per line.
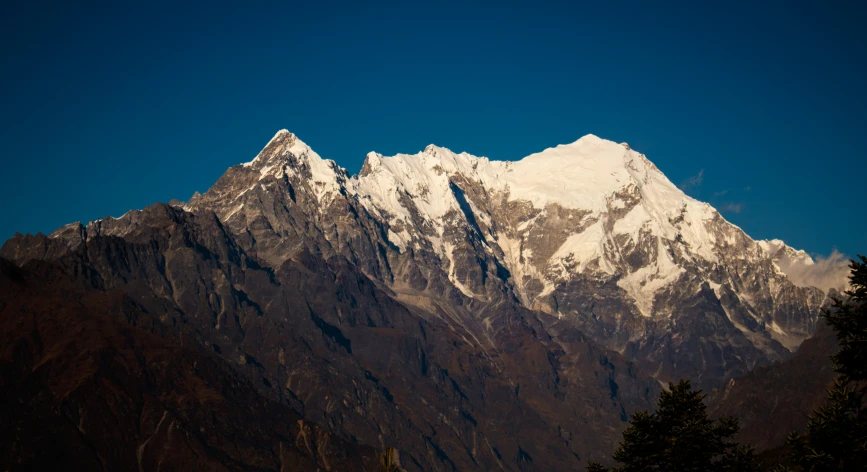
column 320, row 337
column 475, row 314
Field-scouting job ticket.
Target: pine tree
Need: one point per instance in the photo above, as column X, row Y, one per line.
column 836, row 438
column 596, row 467
column 848, row 319
column 679, row 437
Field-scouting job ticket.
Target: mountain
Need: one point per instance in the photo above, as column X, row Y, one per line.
column 474, row 314
column 591, row 234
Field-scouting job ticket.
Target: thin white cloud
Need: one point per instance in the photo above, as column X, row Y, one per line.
column 692, row 182
column 720, row 193
column 826, row 273
column 732, row 207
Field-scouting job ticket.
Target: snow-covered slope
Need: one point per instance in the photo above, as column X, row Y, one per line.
column 579, row 175
column 615, row 198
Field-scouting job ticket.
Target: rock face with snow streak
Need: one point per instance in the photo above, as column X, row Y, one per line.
column 591, row 233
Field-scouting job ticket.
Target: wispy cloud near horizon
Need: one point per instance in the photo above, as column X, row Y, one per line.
column 826, row 272
column 692, row 182
column 732, row 207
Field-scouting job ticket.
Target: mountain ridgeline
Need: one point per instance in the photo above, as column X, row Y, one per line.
column 473, row 314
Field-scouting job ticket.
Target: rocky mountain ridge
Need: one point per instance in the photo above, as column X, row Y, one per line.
column 318, row 336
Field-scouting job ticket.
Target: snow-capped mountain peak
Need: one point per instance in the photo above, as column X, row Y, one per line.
column 604, row 180
column 589, row 234
column 281, row 135
column 285, row 153
column 592, row 210
column 591, row 213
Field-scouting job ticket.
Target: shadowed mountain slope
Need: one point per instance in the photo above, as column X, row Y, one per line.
column 82, row 389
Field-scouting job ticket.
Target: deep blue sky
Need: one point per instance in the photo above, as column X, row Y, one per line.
column 117, row 105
